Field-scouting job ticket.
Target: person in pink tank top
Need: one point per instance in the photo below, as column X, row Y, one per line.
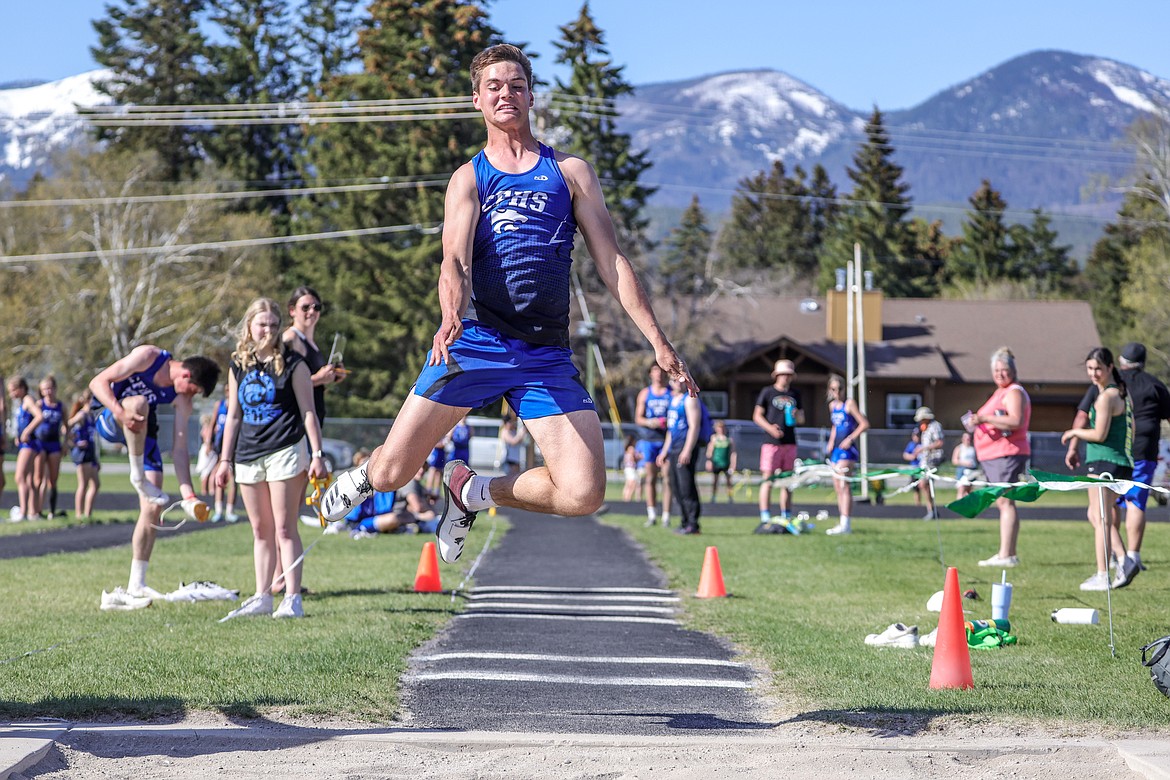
column 1000, row 431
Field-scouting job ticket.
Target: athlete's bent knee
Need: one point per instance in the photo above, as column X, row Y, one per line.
column 386, row 474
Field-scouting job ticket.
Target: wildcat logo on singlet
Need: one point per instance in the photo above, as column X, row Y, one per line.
column 507, row 208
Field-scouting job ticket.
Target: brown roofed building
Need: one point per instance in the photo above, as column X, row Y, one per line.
column 918, row 351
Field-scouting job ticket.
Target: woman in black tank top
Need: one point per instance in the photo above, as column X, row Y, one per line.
column 304, row 309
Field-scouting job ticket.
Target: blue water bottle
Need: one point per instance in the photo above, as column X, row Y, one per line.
column 789, row 415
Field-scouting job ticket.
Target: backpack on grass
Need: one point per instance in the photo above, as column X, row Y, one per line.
column 1158, row 663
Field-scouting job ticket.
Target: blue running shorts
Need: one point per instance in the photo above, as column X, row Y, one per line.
column 1143, row 471
column 535, row 379
column 650, row 448
column 108, row 429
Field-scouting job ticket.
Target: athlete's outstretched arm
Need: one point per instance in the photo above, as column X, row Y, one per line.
column 615, row 269
column 460, row 215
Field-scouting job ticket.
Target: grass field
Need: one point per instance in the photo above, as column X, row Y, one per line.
column 799, row 607
column 802, row 606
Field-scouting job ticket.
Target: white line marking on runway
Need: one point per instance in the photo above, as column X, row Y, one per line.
column 581, row 659
column 582, row 596
column 578, row 607
column 596, row 618
column 566, row 679
column 539, row 589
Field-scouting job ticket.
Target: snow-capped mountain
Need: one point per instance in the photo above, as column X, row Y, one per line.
column 1040, row 127
column 36, row 120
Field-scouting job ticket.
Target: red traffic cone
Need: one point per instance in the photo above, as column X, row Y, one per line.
column 426, row 579
column 952, row 660
column 711, row 580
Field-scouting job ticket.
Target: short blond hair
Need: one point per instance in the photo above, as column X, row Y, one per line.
column 503, row 52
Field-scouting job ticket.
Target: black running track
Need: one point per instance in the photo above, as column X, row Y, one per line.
column 569, row 629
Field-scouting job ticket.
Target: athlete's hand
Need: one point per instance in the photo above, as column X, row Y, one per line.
column 674, row 366
column 1072, row 458
column 445, row 336
column 131, row 422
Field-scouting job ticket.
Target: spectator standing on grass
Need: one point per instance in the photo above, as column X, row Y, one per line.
column 225, row 496
column 510, row 216
column 848, row 424
column 304, row 311
column 511, row 444
column 721, row 459
column 28, row 417
column 84, row 453
column 1000, row 432
column 130, row 389
column 1109, row 438
column 650, row 410
column 631, row 459
column 687, row 433
column 1151, row 404
column 270, row 414
column 460, row 438
column 965, row 463
column 778, row 411
column 928, row 455
column 48, row 434
column 3, row 434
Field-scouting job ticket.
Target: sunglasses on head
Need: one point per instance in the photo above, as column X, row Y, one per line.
column 310, row 307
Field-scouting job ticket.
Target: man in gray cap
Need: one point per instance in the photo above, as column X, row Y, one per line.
column 1151, row 405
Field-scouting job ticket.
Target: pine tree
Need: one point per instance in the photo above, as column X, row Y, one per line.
column 684, row 269
column 591, row 127
column 986, row 252
column 778, row 222
column 382, row 290
column 254, row 64
column 877, row 218
column 159, row 56
column 1040, row 260
column 324, row 31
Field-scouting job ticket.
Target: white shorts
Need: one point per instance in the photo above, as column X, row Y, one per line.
column 631, row 474
column 206, row 463
column 274, row 467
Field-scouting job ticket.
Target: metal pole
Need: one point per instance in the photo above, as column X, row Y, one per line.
column 862, row 386
column 849, row 315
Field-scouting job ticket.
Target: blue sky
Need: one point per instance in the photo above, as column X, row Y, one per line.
column 893, row 54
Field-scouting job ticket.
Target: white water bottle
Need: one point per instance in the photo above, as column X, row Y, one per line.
column 1075, row 615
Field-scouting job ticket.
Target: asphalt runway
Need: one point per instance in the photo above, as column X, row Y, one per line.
column 569, row 629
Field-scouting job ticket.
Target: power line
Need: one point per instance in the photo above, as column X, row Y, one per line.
column 230, row 244
column 122, row 200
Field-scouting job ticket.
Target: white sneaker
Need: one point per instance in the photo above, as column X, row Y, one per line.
column 146, row 592
column 840, row 529
column 1127, row 569
column 147, row 490
column 119, row 599
column 1009, row 562
column 897, row 635
column 259, row 605
column 929, row 639
column 457, row 519
column 290, row 607
column 1099, row 581
column 362, row 533
column 232, row 517
column 347, row 491
column 335, row 527
column 15, row 515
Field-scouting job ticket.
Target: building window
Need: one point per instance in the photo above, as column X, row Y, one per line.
column 900, row 408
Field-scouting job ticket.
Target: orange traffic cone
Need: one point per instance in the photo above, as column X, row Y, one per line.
column 711, row 580
column 952, row 660
column 426, row 579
